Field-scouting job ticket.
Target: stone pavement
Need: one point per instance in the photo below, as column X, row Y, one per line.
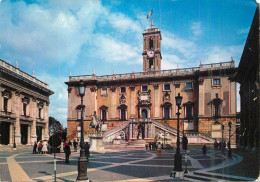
column 125, row 165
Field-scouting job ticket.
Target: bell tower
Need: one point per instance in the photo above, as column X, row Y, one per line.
column 152, row 49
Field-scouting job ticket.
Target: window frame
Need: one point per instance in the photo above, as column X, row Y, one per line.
column 143, row 89
column 189, row 88
column 5, row 104
column 102, row 90
column 39, row 113
column 167, row 89
column 24, row 108
column 213, row 82
column 121, row 90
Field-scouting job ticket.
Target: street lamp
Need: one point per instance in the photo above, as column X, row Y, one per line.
column 222, row 142
column 82, row 160
column 14, row 145
column 178, row 156
column 229, row 142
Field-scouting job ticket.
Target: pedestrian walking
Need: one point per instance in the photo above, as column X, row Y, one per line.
column 44, row 147
column 40, row 147
column 150, row 145
column 87, row 153
column 70, row 144
column 75, row 144
column 224, row 146
column 204, row 149
column 146, row 146
column 215, row 145
column 67, row 154
column 159, row 149
column 34, row 147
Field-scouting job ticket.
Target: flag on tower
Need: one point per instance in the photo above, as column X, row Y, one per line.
column 150, row 14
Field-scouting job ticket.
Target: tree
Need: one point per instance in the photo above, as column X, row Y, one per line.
column 57, row 132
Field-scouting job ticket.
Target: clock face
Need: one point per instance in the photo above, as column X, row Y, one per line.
column 150, row 54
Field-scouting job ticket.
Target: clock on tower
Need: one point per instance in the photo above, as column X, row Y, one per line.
column 152, row 49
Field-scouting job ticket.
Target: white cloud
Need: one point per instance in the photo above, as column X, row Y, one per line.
column 124, row 23
column 196, row 28
column 171, row 61
column 109, row 49
column 217, row 54
column 48, row 32
column 173, row 43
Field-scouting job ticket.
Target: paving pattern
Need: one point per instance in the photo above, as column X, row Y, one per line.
column 118, row 165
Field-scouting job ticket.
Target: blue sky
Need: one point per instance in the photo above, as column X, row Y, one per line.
column 54, row 38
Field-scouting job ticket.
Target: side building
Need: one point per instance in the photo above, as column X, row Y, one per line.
column 142, row 105
column 24, row 106
column 249, row 79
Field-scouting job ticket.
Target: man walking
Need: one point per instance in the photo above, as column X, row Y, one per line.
column 34, row 147
column 67, row 154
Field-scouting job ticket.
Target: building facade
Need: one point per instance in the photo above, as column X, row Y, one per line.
column 24, row 106
column 249, row 79
column 142, row 105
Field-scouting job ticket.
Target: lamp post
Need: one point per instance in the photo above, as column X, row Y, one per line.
column 222, row 142
column 14, row 145
column 229, row 142
column 178, row 156
column 82, row 160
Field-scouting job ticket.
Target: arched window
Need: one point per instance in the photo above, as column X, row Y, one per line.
column 151, row 63
column 103, row 112
column 123, row 112
column 151, row 43
column 167, row 110
column 144, row 114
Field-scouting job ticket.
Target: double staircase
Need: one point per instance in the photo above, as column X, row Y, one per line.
column 193, row 137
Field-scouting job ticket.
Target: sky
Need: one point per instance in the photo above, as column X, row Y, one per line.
column 54, row 38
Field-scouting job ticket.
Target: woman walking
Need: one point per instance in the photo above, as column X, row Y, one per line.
column 44, row 147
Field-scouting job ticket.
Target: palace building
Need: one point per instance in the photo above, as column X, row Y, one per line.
column 141, row 106
column 24, row 106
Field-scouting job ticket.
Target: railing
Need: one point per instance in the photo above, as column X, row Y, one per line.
column 196, row 134
column 116, row 129
column 172, row 130
column 171, row 72
column 21, row 73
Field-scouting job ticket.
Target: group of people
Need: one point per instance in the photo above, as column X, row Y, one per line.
column 217, row 144
column 41, row 147
column 153, row 145
column 67, row 149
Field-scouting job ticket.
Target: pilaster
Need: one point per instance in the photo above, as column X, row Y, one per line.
column 113, row 102
column 156, row 101
column 132, row 102
column 201, row 98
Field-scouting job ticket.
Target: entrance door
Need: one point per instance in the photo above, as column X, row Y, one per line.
column 140, row 131
column 4, row 133
column 144, row 113
column 24, row 133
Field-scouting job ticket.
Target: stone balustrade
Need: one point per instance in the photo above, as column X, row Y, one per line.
column 21, row 73
column 161, row 73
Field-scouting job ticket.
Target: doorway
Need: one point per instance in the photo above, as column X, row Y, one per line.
column 4, row 133
column 144, row 113
column 24, row 133
column 140, row 131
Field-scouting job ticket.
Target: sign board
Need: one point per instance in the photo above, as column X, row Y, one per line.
column 216, row 127
column 189, row 126
column 144, row 97
column 78, row 128
column 216, row 134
